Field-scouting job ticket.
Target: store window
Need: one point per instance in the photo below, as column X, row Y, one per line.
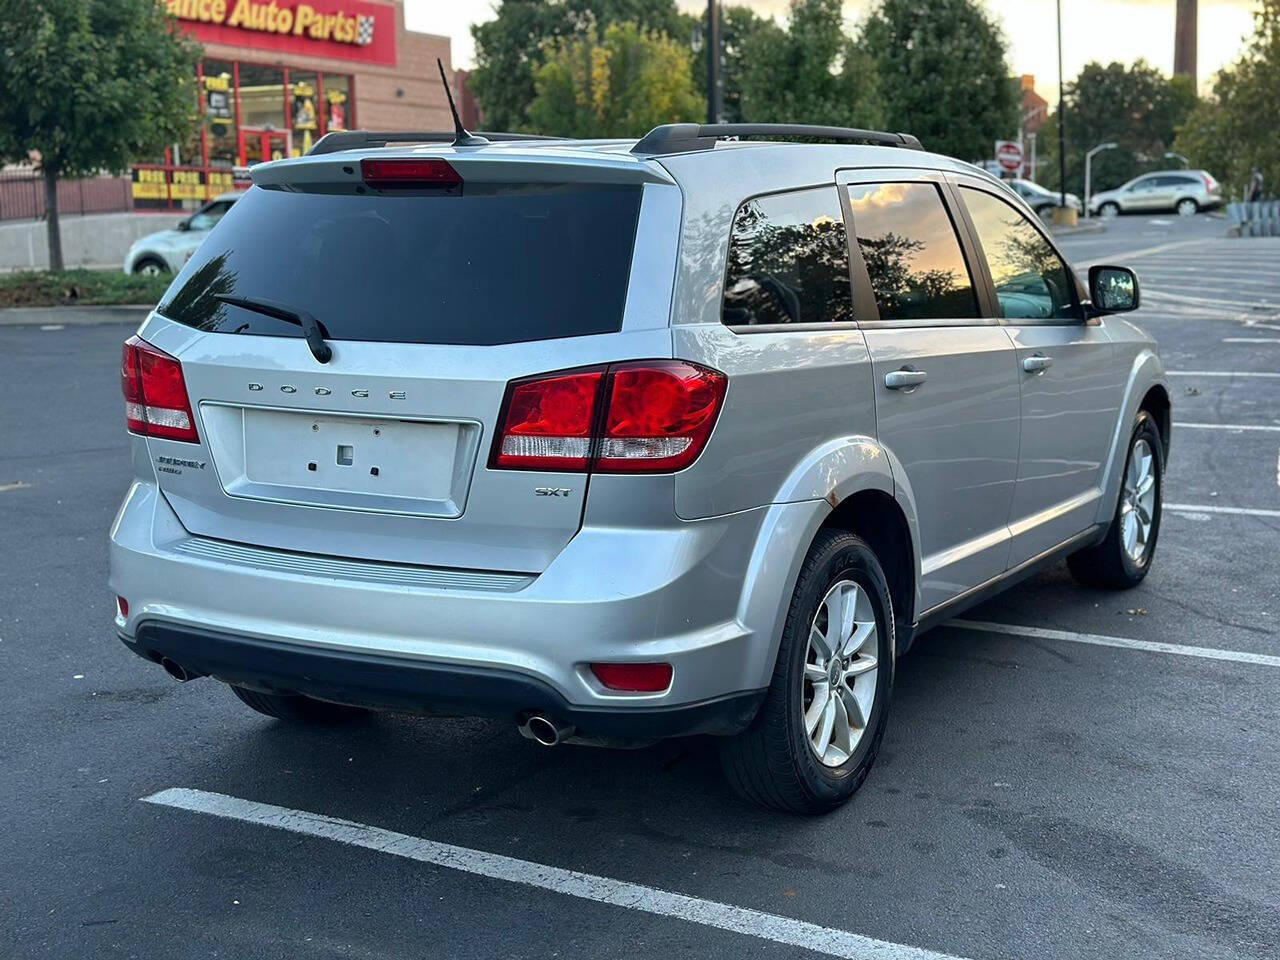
column 218, row 87
column 337, row 102
column 304, row 109
column 262, row 97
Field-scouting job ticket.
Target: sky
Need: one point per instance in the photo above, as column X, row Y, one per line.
column 1102, row 30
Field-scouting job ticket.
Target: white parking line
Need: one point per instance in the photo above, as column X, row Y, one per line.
column 1100, row 640
column 1220, row 373
column 571, row 883
column 1182, row 425
column 1236, row 511
column 1251, row 339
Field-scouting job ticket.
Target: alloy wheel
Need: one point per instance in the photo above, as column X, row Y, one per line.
column 1138, row 504
column 840, row 669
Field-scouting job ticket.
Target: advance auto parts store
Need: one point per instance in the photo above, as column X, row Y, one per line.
column 279, row 74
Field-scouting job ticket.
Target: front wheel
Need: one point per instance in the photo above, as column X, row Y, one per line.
column 818, row 731
column 150, row 267
column 1124, row 556
column 1187, row 207
column 1109, row 209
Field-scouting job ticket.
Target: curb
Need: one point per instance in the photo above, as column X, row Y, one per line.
column 1094, row 227
column 73, row 316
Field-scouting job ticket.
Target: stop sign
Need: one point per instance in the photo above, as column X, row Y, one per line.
column 1009, row 155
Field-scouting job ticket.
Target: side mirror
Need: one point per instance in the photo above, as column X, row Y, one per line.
column 1113, row 290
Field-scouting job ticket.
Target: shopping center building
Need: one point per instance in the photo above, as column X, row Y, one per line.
column 279, row 74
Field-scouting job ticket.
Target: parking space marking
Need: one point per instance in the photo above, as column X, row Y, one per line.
column 1237, row 511
column 1181, row 424
column 1251, row 339
column 571, row 883
column 1220, row 373
column 1101, row 640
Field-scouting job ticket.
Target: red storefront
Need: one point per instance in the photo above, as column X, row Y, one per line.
column 279, row 74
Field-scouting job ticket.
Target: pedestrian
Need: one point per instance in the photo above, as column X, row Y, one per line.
column 1253, row 192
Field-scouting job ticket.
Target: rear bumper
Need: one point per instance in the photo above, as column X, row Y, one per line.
column 704, row 596
column 377, row 680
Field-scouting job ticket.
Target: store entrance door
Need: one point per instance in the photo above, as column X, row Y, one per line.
column 258, row 146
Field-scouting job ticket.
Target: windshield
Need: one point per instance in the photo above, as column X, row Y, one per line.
column 500, row 264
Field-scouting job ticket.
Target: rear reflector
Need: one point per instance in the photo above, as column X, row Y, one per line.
column 409, row 172
column 122, row 605
column 155, row 393
column 634, row 677
column 646, row 416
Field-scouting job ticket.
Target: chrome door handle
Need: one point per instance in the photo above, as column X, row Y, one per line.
column 904, row 379
column 1037, row 363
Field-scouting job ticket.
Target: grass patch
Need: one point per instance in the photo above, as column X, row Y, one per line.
column 72, row 288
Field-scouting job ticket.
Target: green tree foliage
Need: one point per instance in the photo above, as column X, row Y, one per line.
column 511, row 47
column 1234, row 131
column 623, row 84
column 811, row 72
column 90, row 85
column 942, row 74
column 1137, row 107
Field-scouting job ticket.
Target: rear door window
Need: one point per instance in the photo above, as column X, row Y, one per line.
column 1031, row 280
column 498, row 264
column 913, row 256
column 788, row 261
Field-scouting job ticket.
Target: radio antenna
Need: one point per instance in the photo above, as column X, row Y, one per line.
column 461, row 138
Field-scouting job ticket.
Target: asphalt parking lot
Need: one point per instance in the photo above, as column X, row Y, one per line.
column 1068, row 774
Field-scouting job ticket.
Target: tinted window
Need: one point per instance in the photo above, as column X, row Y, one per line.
column 1031, row 280
column 1176, row 181
column 913, row 257
column 788, row 261
column 495, row 265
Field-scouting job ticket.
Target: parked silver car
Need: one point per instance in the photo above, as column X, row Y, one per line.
column 166, row 251
column 1041, row 199
column 623, row 441
column 1185, row 191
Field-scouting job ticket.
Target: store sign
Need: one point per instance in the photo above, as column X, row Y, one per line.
column 154, row 183
column 343, row 29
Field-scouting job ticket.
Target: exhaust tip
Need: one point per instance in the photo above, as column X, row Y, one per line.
column 545, row 731
column 175, row 670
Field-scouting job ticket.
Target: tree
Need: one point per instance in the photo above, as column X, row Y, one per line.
column 623, row 84
column 511, row 47
column 1233, row 132
column 1137, row 107
column 812, row 72
column 102, row 83
column 943, row 74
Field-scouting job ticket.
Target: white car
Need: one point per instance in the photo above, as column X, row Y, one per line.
column 1041, row 199
column 166, row 251
column 1185, row 191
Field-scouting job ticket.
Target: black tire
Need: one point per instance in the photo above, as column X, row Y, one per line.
column 1107, row 564
column 1109, row 209
column 151, row 265
column 296, row 708
column 772, row 762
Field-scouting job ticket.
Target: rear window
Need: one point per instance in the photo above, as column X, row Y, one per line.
column 499, row 264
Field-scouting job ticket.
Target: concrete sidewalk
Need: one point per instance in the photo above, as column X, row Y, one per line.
column 72, row 316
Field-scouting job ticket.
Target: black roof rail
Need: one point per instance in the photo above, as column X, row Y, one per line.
column 360, row 139
column 686, row 137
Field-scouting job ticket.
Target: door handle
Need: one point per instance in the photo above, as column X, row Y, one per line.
column 904, row 379
column 1037, row 363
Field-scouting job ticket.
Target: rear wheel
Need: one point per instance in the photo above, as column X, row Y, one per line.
column 1187, row 207
column 818, row 731
column 296, row 708
column 150, row 267
column 1123, row 558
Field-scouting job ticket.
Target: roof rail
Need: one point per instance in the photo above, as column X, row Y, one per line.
column 358, row 139
column 686, row 137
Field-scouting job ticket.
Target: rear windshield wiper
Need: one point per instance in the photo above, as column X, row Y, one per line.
column 312, row 328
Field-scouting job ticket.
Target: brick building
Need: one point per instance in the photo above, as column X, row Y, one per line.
column 279, row 74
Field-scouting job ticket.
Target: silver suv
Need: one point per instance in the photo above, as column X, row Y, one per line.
column 1185, row 192
column 622, row 441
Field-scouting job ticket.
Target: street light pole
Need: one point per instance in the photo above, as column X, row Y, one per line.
column 1088, row 170
column 713, row 62
column 1062, row 122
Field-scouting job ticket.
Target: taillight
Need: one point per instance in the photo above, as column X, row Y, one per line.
column 647, row 416
column 409, row 172
column 155, row 393
column 1210, row 184
column 634, row 677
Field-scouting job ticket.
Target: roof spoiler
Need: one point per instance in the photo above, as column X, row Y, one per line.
column 688, row 137
column 340, row 140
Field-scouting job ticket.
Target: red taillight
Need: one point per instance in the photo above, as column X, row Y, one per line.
column 1210, row 184
column 122, row 606
column 639, row 417
column 405, row 172
column 634, row 677
column 155, row 393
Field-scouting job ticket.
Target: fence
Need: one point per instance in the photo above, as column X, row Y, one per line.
column 22, row 195
column 1258, row 219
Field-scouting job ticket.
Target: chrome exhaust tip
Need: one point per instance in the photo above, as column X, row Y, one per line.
column 545, row 731
column 176, row 670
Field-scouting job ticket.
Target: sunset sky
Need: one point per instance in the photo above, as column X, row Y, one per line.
column 1103, row 30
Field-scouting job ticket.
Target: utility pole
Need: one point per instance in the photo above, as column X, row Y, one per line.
column 1062, row 122
column 1184, row 40
column 713, row 61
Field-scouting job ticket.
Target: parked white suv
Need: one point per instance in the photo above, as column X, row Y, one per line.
column 623, row 440
column 1186, row 192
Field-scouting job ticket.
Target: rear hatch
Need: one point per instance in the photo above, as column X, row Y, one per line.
column 433, row 296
